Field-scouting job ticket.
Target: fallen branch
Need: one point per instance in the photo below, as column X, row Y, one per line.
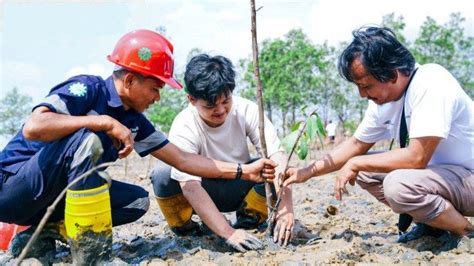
column 51, row 208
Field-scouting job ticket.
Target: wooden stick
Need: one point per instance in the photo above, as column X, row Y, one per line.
column 256, row 71
column 261, row 114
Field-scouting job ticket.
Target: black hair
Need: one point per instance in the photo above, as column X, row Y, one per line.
column 208, row 77
column 121, row 72
column 380, row 53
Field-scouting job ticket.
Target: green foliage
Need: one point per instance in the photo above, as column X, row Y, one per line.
column 303, row 134
column 302, row 150
column 446, row 45
column 288, row 70
column 351, row 126
column 311, row 127
column 171, row 102
column 14, row 109
column 319, row 125
column 397, row 25
column 296, row 72
column 165, row 110
column 288, row 141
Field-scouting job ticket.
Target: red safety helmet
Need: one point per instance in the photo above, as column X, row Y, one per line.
column 148, row 53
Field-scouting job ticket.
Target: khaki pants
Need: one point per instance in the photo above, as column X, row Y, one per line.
column 423, row 193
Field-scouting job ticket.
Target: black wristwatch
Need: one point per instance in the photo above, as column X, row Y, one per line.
column 238, row 175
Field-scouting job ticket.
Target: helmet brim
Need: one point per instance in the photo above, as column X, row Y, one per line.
column 172, row 82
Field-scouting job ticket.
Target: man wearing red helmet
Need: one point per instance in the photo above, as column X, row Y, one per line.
column 86, row 121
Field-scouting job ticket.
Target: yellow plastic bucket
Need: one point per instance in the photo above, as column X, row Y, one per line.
column 88, row 210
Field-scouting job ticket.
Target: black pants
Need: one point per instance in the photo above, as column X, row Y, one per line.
column 227, row 194
column 25, row 195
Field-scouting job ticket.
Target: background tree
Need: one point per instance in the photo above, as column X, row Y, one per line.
column 163, row 112
column 446, row 45
column 397, row 25
column 14, row 109
column 171, row 102
column 298, row 75
column 288, row 69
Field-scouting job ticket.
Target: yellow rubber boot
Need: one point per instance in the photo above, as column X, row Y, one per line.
column 88, row 222
column 252, row 212
column 177, row 212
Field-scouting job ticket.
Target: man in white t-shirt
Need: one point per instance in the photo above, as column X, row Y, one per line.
column 431, row 179
column 217, row 124
column 331, row 131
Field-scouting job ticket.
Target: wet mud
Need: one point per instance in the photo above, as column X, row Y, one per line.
column 358, row 230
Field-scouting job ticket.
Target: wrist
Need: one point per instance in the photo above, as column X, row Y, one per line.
column 245, row 172
column 239, row 172
column 352, row 164
column 226, row 232
column 105, row 123
column 307, row 172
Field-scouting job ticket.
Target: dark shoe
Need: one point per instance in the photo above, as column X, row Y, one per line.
column 45, row 243
column 252, row 212
column 246, row 220
column 420, row 230
column 190, row 228
column 464, row 244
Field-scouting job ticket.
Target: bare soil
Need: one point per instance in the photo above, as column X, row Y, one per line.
column 358, row 230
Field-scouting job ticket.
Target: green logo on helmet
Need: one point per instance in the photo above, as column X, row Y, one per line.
column 78, row 89
column 144, row 53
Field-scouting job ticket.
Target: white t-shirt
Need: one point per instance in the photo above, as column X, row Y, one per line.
column 227, row 142
column 331, row 129
column 435, row 105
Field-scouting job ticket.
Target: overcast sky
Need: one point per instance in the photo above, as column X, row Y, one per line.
column 44, row 42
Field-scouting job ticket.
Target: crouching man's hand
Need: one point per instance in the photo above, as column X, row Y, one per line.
column 284, row 226
column 243, row 241
column 296, row 175
column 259, row 171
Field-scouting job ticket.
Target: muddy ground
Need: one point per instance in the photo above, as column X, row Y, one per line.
column 362, row 231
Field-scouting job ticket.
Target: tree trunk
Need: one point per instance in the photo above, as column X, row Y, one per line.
column 269, row 111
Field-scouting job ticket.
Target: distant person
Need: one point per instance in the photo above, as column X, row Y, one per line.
column 331, row 131
column 85, row 121
column 431, row 177
column 217, row 124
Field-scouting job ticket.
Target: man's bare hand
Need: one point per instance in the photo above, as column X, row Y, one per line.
column 120, row 135
column 243, row 241
column 283, row 231
column 260, row 170
column 346, row 174
column 295, row 175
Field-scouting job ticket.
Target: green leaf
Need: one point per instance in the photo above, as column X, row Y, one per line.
column 321, row 130
column 311, row 127
column 288, row 142
column 303, row 109
column 295, row 126
column 303, row 150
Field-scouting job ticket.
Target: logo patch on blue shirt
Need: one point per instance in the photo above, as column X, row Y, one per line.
column 78, row 89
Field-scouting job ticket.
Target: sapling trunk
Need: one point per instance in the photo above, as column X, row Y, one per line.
column 261, row 117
